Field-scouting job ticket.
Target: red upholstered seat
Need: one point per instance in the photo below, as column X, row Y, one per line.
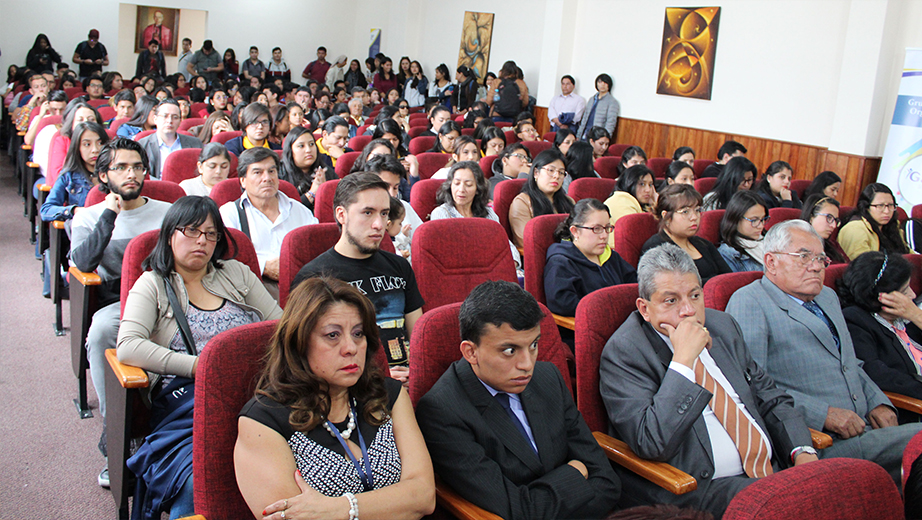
column 198, row 107
column 503, row 194
column 414, row 123
column 915, row 281
column 190, row 122
column 421, row 144
column 181, row 165
column 157, row 190
column 359, row 142
column 549, row 136
column 468, row 131
column 912, row 452
column 830, row 489
column 658, row 165
column 418, row 116
column 224, row 137
column 833, row 274
column 106, row 112
column 345, row 162
column 422, row 197
column 917, row 211
column 599, row 315
column 779, row 215
column 799, row 186
column 607, row 167
column 705, row 185
column 591, row 188
column 539, row 235
column 719, row 289
column 700, row 166
column 323, row 204
column 709, row 225
column 142, row 134
column 361, row 130
column 503, row 124
column 901, row 214
column 631, row 233
column 617, row 149
column 452, row 256
column 536, row 147
column 74, row 92
column 486, row 165
column 96, row 103
column 431, row 162
column 229, row 189
column 300, row 246
column 436, row 341
column 415, row 131
column 117, row 123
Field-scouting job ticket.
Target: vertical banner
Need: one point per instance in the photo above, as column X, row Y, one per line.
column 901, row 165
column 375, row 46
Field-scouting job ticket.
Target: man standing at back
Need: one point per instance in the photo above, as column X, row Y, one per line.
column 502, row 428
column 566, row 110
column 185, row 58
column 317, row 69
column 206, row 62
column 160, row 144
column 91, row 55
column 361, row 206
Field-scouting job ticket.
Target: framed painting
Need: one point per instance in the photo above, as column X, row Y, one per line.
column 476, row 35
column 157, row 23
column 686, row 65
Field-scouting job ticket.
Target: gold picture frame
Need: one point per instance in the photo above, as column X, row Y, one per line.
column 686, row 66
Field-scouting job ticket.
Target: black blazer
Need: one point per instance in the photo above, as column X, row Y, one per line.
column 478, row 451
column 885, row 360
column 709, row 265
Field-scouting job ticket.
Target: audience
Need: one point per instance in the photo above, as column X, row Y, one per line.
column 738, row 174
column 465, row 150
column 822, row 212
column 512, row 163
column 775, row 187
column 525, row 131
column 631, row 156
column 602, row 108
column 333, row 138
column 304, row 166
column 564, row 139
column 684, row 154
column 826, row 183
column 144, row 118
column 600, row 140
column 633, row 193
column 873, row 226
column 508, row 95
column 214, row 124
column 493, row 141
column 541, row 194
column 741, row 232
column 213, row 167
column 727, row 151
column 160, row 144
column 679, row 172
column 257, row 126
column 392, row 171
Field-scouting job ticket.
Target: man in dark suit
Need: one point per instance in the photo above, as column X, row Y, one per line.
column 502, row 429
column 675, row 390
column 160, row 144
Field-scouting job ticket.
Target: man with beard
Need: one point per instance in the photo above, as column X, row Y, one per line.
column 361, row 206
column 100, row 235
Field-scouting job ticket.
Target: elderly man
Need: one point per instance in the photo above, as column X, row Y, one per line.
column 796, row 331
column 264, row 213
column 156, row 31
column 160, row 144
column 680, row 386
column 333, row 139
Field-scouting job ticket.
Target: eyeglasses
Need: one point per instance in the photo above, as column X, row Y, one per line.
column 598, row 230
column 261, row 122
column 748, row 180
column 193, row 233
column 883, row 207
column 686, row 211
column 122, row 168
column 557, row 172
column 521, row 157
column 756, row 222
column 404, row 107
column 807, row 259
column 830, row 219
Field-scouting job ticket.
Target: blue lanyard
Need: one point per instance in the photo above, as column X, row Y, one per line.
column 368, row 479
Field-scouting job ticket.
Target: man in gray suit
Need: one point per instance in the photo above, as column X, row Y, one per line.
column 655, row 383
column 796, row 331
column 160, row 144
column 502, row 428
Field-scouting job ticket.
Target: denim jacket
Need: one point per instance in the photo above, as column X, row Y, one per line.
column 70, row 189
column 738, row 261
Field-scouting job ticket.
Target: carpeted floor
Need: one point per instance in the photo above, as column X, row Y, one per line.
column 48, row 453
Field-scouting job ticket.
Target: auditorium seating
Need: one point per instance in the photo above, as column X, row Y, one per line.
column 300, row 246
column 591, row 188
column 779, row 215
column 917, row 211
column 224, row 137
column 704, row 185
column 191, row 122
column 912, row 452
column 345, row 162
column 421, row 144
column 423, row 197
column 416, row 131
column 503, row 194
column 617, row 149
column 607, row 167
column 486, row 165
column 106, row 112
column 183, row 164
column 549, row 136
column 143, row 133
column 536, row 147
column 799, row 186
column 539, row 235
column 229, row 190
column 631, row 233
column 323, row 202
column 197, row 108
column 709, row 225
column 431, row 162
column 359, row 142
column 658, row 166
column 700, row 166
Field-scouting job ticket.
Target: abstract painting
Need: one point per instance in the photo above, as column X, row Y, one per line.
column 476, row 35
column 157, row 23
column 686, row 65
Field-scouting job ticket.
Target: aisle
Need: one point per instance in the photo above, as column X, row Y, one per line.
column 48, row 454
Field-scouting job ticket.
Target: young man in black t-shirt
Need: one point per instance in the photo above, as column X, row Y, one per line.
column 361, row 206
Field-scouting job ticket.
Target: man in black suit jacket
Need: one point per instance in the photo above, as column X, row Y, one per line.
column 532, row 457
column 657, row 408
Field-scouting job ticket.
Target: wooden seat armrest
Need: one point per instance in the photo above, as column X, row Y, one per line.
column 459, row 507
column 58, row 224
column 85, row 278
column 31, row 164
column 663, row 475
column 196, row 517
column 521, row 251
column 567, row 322
column 903, row 402
column 127, row 375
column 41, row 187
column 821, row 441
column 21, row 134
column 26, row 147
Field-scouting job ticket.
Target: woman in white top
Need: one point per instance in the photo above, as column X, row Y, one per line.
column 440, row 87
column 416, row 86
column 213, row 166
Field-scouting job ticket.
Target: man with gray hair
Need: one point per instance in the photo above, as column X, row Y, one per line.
column 691, row 395
column 796, row 331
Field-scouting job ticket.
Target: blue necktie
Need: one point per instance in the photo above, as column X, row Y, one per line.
column 815, row 309
column 590, row 121
column 503, row 399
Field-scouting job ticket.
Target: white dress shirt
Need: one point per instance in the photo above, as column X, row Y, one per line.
column 515, row 402
column 571, row 103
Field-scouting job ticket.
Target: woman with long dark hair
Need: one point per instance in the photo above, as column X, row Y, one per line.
column 213, row 166
column 634, row 193
column 542, row 193
column 873, row 226
column 441, row 87
column 214, row 124
column 679, row 172
column 822, row 212
column 231, row 66
column 415, row 86
column 42, row 56
column 738, row 174
column 741, row 231
column 513, row 162
column 493, row 141
column 143, row 118
column 465, row 150
column 304, row 166
column 445, row 140
column 385, row 79
column 827, row 183
column 354, row 77
column 631, row 156
column 775, row 187
column 78, row 175
column 564, row 139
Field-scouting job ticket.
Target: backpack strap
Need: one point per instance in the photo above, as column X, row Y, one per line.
column 244, row 223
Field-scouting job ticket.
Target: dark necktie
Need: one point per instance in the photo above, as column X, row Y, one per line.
column 503, row 399
column 816, row 311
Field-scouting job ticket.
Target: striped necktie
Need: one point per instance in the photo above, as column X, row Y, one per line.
column 748, row 440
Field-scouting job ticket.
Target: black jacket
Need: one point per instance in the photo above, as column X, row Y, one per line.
column 569, row 275
column 885, row 360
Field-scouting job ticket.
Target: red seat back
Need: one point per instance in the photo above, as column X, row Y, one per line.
column 224, row 137
column 799, row 186
column 901, row 214
column 74, row 92
column 421, row 144
column 833, row 274
column 779, row 215
column 436, row 344
column 912, row 452
column 705, row 185
column 452, row 256
column 142, row 134
column 503, row 124
column 418, row 116
column 486, row 165
column 828, row 489
column 709, row 225
column 607, row 167
column 229, row 190
column 300, row 246
column 96, row 103
column 423, row 197
column 917, row 211
column 503, row 194
column 719, row 289
column 106, row 112
column 599, row 314
column 359, row 142
column 418, row 122
column 416, row 131
column 536, row 147
column 591, row 188
column 48, row 120
column 700, row 166
column 617, row 149
column 468, row 131
column 915, row 281
column 631, row 233
column 181, row 165
column 658, row 165
column 157, row 190
column 198, row 107
column 539, row 235
column 117, row 123
column 323, row 204
column 549, row 136
column 431, row 162
column 345, row 162
column 190, row 122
